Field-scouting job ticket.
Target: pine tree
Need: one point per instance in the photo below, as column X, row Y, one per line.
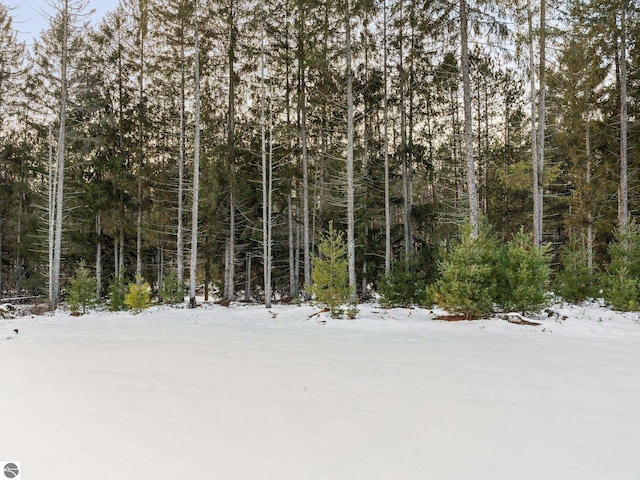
column 82, row 289
column 172, row 289
column 55, row 61
column 196, row 169
column 576, row 282
column 138, row 297
column 330, row 272
column 11, row 59
column 623, row 281
column 522, row 271
column 468, row 283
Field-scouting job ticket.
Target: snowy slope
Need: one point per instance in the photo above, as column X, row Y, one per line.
column 233, row 393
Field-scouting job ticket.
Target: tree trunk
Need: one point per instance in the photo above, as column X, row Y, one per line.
column 266, row 187
column 139, row 234
column 116, row 259
column 541, row 122
column 387, row 207
column 160, row 273
column 588, row 181
column 142, row 31
column 623, row 204
column 121, row 254
column 52, row 208
column 226, row 269
column 268, row 288
column 472, row 192
column 57, row 250
column 537, row 208
column 193, row 263
column 403, row 141
column 230, row 274
column 297, row 254
column 409, row 147
column 302, row 106
column 99, row 257
column 457, row 147
column 351, row 253
column 1, row 277
column 118, row 244
column 181, row 160
column 247, row 279
column 207, row 270
column 292, row 263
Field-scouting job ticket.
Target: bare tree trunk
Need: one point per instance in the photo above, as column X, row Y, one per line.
column 118, row 243
column 180, row 232
column 1, row 278
column 474, row 218
column 297, row 254
column 121, row 254
column 351, row 251
column 193, row 263
column 116, row 260
column 324, row 122
column 409, row 147
column 160, row 273
column 457, row 146
column 247, row 279
column 403, row 142
column 60, row 158
column 588, row 181
column 19, row 262
column 623, row 203
column 292, row 263
column 142, row 31
column 99, row 257
column 537, row 208
column 541, row 122
column 230, row 274
column 226, row 269
column 268, row 288
column 139, row 235
column 52, row 208
column 367, row 135
column 266, row 186
column 207, row 270
column 387, row 207
column 302, row 106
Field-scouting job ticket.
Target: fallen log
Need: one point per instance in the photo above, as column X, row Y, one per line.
column 317, row 314
column 519, row 320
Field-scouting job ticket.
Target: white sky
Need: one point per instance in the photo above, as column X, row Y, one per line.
column 29, row 20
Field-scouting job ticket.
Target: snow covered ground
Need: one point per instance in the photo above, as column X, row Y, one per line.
column 234, row 393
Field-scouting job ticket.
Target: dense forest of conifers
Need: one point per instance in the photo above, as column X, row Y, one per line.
column 396, row 120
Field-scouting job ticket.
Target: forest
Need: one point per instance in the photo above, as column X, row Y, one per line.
column 212, row 143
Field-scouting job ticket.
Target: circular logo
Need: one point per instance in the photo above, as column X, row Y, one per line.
column 11, row 470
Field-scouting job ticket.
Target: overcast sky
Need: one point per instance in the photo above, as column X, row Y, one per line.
column 29, row 20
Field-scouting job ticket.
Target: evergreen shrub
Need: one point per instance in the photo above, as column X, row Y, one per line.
column 622, row 284
column 467, row 285
column 622, row 291
column 82, row 289
column 480, row 273
column 138, row 297
column 575, row 282
column 405, row 286
column 117, row 293
column 172, row 291
column 330, row 272
column 521, row 274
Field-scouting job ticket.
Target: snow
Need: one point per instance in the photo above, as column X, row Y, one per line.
column 234, row 393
